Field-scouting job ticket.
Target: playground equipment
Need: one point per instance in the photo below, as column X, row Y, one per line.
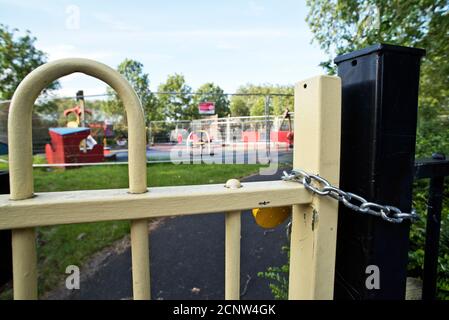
column 104, row 129
column 250, row 136
column 65, row 146
column 78, row 112
column 75, row 144
column 282, row 135
column 225, row 131
column 195, row 139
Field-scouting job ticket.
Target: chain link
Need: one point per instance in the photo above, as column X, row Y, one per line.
column 322, row 187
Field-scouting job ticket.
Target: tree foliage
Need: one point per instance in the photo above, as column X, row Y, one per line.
column 174, row 100
column 176, row 106
column 133, row 71
column 239, row 108
column 18, row 57
column 341, row 26
column 253, row 99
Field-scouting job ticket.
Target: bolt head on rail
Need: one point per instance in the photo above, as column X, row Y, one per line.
column 233, row 184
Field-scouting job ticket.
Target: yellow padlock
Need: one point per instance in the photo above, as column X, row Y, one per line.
column 271, row 217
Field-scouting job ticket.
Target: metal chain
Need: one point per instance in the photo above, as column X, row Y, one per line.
column 322, row 187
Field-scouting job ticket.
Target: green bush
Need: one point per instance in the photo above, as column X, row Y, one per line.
column 278, row 278
column 433, row 136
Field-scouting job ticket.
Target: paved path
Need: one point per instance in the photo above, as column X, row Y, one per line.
column 188, row 252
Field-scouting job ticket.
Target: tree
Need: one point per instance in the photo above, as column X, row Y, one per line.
column 176, row 106
column 18, row 57
column 341, row 26
column 238, row 107
column 133, row 71
column 254, row 99
column 212, row 92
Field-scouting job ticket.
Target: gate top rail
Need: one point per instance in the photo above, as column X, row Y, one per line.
column 55, row 208
column 431, row 167
column 20, row 121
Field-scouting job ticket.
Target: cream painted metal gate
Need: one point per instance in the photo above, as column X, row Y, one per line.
column 314, row 221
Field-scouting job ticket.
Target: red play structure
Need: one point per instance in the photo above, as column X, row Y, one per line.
column 250, row 136
column 65, row 147
column 285, row 136
column 280, row 136
column 75, row 144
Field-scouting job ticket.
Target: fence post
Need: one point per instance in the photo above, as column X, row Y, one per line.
column 379, row 113
column 314, row 225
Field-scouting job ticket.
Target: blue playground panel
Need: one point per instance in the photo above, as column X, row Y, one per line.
column 66, row 131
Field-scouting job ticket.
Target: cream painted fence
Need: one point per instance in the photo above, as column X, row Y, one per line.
column 314, row 221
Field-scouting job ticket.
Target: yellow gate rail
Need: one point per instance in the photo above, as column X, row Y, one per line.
column 314, row 221
column 54, row 208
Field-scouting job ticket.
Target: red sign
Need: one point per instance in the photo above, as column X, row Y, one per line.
column 206, row 108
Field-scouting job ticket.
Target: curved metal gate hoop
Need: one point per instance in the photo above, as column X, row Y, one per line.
column 20, row 113
column 21, row 169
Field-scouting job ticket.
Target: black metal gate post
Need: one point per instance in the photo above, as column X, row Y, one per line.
column 379, row 113
column 5, row 238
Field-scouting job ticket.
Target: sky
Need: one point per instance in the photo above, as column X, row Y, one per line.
column 229, row 43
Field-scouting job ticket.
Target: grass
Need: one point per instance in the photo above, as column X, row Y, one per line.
column 65, row 245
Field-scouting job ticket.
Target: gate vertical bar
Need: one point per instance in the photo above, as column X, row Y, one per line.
column 316, row 150
column 379, row 114
column 436, row 189
column 140, row 257
column 24, row 264
column 232, row 255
